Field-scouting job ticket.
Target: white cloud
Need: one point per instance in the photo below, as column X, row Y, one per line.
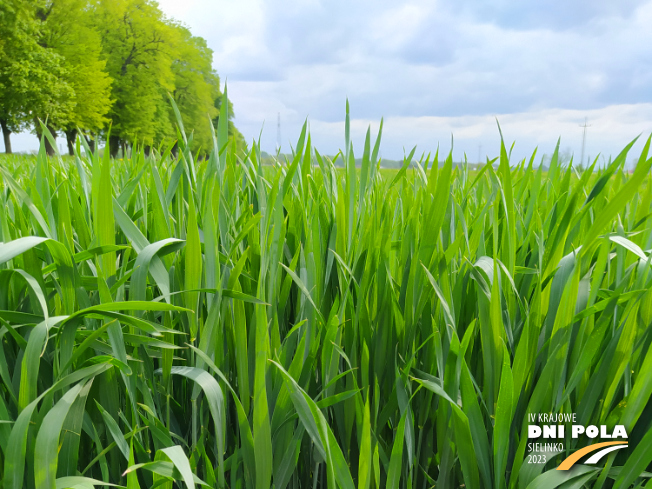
column 430, row 67
column 611, row 128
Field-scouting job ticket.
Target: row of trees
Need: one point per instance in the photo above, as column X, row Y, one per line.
column 90, row 64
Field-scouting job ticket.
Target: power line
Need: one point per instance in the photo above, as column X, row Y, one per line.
column 278, row 133
column 584, row 139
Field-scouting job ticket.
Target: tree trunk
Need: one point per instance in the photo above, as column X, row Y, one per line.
column 71, row 135
column 175, row 149
column 114, row 146
column 91, row 143
column 49, row 149
column 148, row 150
column 6, row 135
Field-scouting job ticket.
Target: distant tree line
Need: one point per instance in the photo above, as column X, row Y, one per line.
column 85, row 65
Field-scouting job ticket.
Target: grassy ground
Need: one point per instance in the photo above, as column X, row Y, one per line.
column 243, row 326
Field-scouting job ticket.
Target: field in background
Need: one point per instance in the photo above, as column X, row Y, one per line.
column 243, row 326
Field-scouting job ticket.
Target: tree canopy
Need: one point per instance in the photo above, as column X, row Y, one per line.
column 91, row 65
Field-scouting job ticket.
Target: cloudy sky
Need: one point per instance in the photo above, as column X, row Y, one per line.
column 432, row 69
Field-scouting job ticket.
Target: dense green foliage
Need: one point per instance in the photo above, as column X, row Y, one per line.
column 300, row 326
column 82, row 64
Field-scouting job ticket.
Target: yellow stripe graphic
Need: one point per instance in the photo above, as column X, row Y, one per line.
column 570, row 461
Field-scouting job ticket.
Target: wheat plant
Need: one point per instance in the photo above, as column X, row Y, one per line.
column 168, row 322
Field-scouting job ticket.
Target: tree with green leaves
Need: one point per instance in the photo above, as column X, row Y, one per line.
column 137, row 43
column 234, row 133
column 9, row 38
column 196, row 85
column 71, row 65
column 68, row 30
column 32, row 77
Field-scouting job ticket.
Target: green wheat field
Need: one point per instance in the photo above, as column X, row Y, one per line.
column 175, row 322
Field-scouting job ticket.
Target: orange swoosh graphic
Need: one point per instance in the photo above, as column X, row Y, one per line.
column 570, row 461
